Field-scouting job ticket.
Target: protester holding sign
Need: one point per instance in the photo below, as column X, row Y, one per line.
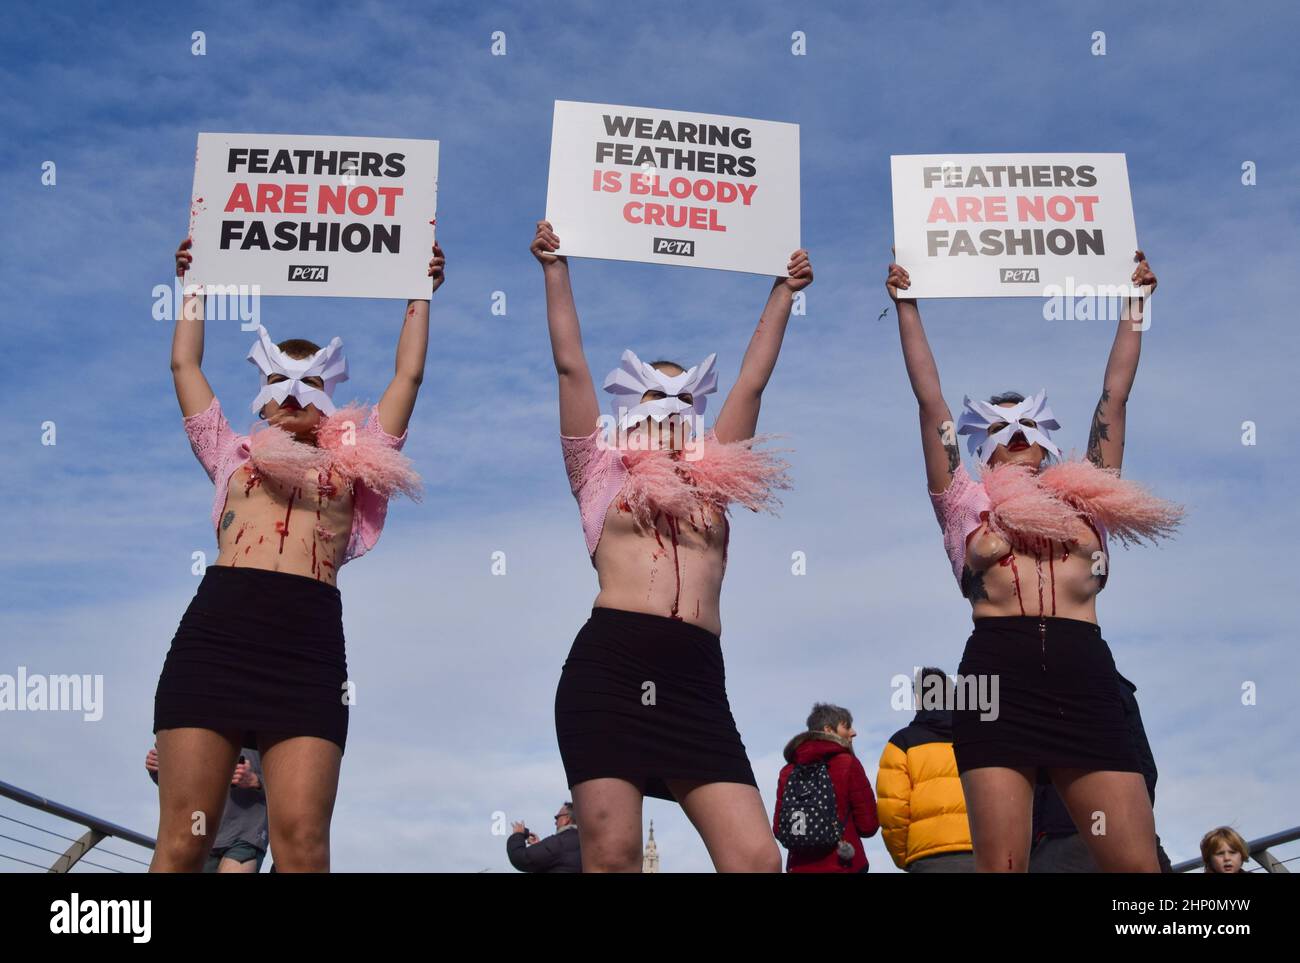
column 1028, row 545
column 641, row 708
column 258, row 659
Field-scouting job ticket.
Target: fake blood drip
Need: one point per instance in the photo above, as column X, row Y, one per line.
column 1051, row 572
column 283, row 527
column 1037, row 547
column 677, row 567
column 1010, row 559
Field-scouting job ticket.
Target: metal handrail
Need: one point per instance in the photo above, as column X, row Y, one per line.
column 96, row 829
column 1259, row 851
column 99, row 829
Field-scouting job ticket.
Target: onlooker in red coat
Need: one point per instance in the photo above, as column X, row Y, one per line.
column 829, row 741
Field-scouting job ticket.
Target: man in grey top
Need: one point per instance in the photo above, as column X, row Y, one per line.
column 240, row 845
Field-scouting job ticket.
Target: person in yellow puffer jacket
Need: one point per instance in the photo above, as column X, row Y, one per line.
column 918, row 792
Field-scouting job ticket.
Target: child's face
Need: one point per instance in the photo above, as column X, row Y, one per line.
column 1226, row 859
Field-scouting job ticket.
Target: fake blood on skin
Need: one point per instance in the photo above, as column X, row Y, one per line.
column 1038, row 574
column 1010, row 559
column 254, row 479
column 671, row 523
column 283, row 527
column 677, row 567
column 1051, row 573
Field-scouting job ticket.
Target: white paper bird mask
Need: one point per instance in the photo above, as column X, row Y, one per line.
column 328, row 364
column 633, row 378
column 1031, row 417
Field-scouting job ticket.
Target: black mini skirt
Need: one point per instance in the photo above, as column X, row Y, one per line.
column 1058, row 698
column 643, row 698
column 257, row 652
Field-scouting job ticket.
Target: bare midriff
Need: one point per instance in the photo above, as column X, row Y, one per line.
column 301, row 528
column 1051, row 579
column 675, row 570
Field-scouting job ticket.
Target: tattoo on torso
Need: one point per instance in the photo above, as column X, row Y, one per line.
column 226, row 520
column 972, row 584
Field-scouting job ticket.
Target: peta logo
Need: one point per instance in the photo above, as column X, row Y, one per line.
column 668, row 245
column 309, row 272
column 1019, row 275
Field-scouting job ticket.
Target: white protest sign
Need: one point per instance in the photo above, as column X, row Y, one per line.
column 324, row 216
column 1012, row 225
column 673, row 187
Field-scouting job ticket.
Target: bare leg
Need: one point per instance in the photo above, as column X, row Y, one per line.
column 228, row 865
column 733, row 823
column 1113, row 813
column 302, row 780
column 1000, row 809
column 608, row 811
column 194, row 770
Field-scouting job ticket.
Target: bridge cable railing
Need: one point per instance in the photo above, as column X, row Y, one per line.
column 96, row 831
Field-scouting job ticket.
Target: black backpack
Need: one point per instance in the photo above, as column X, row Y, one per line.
column 809, row 819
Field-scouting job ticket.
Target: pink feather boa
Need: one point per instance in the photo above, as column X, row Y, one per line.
column 342, row 446
column 1053, row 503
column 662, row 481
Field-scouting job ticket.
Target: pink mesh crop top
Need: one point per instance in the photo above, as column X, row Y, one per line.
column 221, row 451
column 960, row 510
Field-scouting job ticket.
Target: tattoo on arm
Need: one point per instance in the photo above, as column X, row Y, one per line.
column 1099, row 431
column 954, row 456
column 972, row 585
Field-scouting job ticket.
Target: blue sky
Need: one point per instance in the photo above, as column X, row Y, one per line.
column 456, row 668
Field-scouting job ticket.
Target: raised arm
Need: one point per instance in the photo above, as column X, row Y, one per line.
column 192, row 389
column 738, row 419
column 938, row 433
column 579, row 408
column 398, row 400
column 1106, row 436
